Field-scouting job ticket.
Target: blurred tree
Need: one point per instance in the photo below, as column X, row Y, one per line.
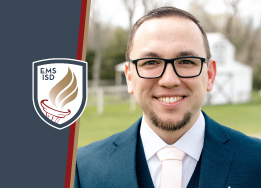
column 152, row 4
column 210, row 22
column 96, row 20
column 114, row 52
column 231, row 18
column 130, row 6
column 90, row 59
column 97, row 38
column 257, row 77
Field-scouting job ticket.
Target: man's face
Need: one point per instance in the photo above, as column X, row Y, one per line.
column 169, row 38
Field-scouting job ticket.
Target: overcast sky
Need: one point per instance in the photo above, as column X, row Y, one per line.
column 113, row 11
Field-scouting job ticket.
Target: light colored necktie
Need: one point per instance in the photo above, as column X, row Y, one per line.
column 171, row 162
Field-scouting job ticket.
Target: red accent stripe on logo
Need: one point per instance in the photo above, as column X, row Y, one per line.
column 73, row 126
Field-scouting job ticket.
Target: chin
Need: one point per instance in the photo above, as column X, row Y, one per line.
column 170, row 125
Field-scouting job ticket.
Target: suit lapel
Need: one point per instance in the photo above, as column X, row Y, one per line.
column 142, row 170
column 216, row 157
column 125, row 157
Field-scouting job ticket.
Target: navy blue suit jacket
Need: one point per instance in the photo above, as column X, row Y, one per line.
column 229, row 158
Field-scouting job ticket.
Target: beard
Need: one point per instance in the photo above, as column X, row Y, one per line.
column 169, row 125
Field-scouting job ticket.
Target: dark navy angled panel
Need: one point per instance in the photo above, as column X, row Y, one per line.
column 33, row 154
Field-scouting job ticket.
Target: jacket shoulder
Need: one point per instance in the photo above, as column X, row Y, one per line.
column 99, row 164
column 96, row 149
column 230, row 137
column 108, row 145
column 247, row 150
column 240, row 140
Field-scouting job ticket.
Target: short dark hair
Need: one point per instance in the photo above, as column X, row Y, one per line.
column 161, row 13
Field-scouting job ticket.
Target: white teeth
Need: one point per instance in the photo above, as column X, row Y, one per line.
column 170, row 99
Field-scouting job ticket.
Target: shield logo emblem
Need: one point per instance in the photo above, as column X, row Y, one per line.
column 59, row 90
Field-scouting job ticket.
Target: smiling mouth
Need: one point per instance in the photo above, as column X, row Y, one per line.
column 169, row 99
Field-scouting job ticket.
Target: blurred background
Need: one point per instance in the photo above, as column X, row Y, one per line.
column 234, row 32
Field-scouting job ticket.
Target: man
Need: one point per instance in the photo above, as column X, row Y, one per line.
column 169, row 73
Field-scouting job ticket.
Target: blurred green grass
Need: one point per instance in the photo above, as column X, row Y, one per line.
column 117, row 117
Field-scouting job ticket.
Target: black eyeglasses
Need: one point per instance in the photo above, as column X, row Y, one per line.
column 184, row 67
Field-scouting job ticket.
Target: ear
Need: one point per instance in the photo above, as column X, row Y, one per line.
column 212, row 70
column 128, row 78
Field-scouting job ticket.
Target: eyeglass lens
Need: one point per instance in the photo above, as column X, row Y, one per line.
column 186, row 67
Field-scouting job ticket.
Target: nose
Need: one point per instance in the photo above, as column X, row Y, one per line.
column 169, row 79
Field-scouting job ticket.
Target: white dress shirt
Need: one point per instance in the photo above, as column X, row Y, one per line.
column 191, row 143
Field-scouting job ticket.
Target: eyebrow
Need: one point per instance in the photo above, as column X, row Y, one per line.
column 180, row 54
column 186, row 53
column 150, row 54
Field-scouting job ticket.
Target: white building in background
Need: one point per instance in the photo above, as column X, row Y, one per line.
column 233, row 82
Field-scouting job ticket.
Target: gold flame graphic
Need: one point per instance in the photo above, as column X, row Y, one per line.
column 58, row 97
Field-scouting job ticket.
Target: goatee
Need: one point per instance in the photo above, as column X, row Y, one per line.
column 170, row 126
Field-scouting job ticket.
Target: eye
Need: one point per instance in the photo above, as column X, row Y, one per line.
column 187, row 62
column 151, row 62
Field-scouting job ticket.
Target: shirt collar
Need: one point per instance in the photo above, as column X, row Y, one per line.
column 191, row 142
